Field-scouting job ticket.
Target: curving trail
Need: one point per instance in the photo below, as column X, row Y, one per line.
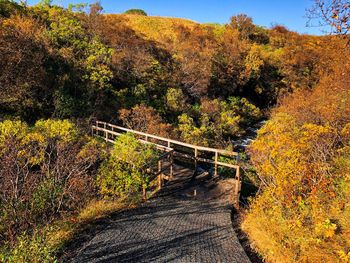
column 176, row 226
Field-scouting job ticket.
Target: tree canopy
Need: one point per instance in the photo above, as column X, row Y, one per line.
column 139, row 12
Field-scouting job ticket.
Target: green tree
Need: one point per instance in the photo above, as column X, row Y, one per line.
column 193, row 134
column 176, row 100
column 139, row 12
column 90, row 74
column 45, row 3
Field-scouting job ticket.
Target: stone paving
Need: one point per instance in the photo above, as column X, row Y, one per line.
column 176, row 226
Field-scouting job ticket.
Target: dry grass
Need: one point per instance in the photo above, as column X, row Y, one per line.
column 102, row 208
column 161, row 29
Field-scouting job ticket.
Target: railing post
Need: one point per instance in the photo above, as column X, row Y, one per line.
column 237, row 187
column 216, row 165
column 172, row 165
column 105, row 130
column 160, row 181
column 195, row 159
column 144, row 193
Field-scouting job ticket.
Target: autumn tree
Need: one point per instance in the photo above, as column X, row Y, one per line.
column 228, row 64
column 195, row 49
column 72, row 72
column 145, row 119
column 244, row 25
column 26, row 89
column 7, row 8
column 333, row 13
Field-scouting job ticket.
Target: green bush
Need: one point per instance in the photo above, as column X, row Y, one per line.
column 126, row 171
column 28, row 248
column 176, row 100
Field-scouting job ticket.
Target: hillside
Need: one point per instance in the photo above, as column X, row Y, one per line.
column 153, row 27
column 203, row 84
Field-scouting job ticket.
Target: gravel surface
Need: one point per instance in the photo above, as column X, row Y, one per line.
column 189, row 221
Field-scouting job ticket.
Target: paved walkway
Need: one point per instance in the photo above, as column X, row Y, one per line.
column 174, row 227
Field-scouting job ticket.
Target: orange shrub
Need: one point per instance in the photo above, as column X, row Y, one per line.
column 302, row 156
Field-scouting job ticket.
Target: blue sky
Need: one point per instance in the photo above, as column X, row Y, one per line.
column 290, row 13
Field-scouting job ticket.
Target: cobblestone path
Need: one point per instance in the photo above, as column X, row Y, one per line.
column 176, row 226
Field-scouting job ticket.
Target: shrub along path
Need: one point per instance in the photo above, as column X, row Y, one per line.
column 175, row 226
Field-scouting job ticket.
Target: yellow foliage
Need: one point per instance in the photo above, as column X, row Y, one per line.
column 63, row 129
column 254, row 61
column 326, row 229
column 344, row 257
column 11, row 129
column 302, row 159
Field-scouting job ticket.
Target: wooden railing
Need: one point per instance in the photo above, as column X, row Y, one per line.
column 109, row 132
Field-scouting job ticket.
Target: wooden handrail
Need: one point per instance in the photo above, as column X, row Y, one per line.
column 199, row 148
column 196, row 148
column 160, row 147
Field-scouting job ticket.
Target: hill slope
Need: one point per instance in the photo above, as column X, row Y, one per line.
column 158, row 28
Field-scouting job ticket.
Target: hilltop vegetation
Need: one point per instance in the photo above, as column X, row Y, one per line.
column 201, row 83
column 139, row 12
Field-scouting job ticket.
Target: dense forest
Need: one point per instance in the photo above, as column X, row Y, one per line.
column 205, row 84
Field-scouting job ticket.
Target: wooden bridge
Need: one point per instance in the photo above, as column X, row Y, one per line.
column 176, row 150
